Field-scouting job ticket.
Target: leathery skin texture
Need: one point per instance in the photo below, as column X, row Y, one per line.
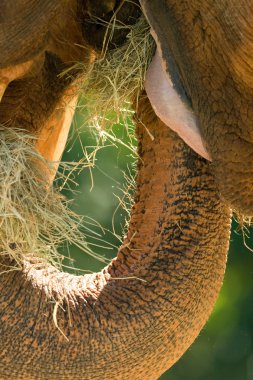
column 119, row 328
column 139, row 315
column 210, row 44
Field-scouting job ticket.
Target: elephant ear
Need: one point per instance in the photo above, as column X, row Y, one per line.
column 24, row 28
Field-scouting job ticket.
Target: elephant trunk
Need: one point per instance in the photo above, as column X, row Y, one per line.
column 134, row 319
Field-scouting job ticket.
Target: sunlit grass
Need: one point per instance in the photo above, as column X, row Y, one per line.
column 102, row 187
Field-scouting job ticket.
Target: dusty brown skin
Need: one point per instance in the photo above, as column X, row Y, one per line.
column 118, row 328
column 121, row 328
column 211, row 43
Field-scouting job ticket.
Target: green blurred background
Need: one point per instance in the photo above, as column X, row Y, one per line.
column 224, row 349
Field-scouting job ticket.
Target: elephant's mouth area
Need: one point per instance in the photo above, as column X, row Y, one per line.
column 171, row 105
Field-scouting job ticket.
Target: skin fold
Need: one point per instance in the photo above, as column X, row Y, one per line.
column 136, row 317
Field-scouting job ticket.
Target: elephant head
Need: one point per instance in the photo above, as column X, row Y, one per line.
column 138, row 316
column 205, row 49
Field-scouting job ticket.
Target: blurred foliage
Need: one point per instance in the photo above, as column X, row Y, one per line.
column 224, row 349
column 102, row 188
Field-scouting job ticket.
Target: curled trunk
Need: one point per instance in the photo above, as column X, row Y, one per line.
column 136, row 317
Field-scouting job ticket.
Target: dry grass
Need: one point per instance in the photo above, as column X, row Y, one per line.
column 35, row 219
column 115, row 81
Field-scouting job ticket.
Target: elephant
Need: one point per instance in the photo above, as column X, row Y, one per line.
column 137, row 317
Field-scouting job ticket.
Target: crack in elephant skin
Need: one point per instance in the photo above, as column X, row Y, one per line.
column 137, row 316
